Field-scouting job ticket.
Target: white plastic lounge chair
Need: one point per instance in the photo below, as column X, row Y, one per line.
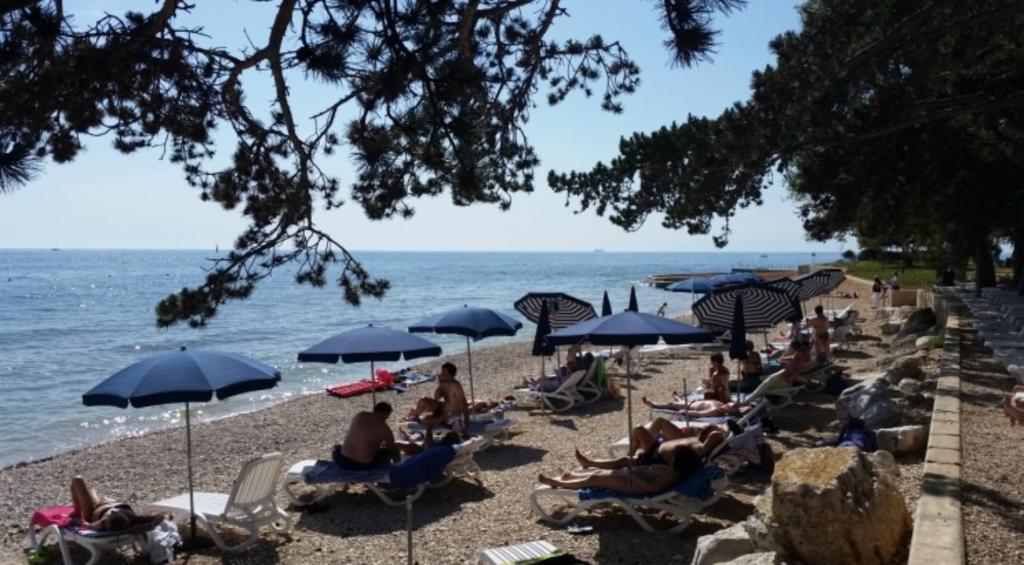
column 561, row 399
column 491, row 431
column 684, row 500
column 93, row 541
column 249, row 506
column 588, row 389
column 520, row 553
column 463, row 465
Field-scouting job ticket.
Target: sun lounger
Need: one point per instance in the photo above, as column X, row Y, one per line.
column 491, row 431
column 559, row 400
column 589, row 389
column 41, row 528
column 528, row 552
column 684, row 500
column 250, row 504
column 326, row 477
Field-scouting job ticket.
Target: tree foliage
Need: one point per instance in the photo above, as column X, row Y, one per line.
column 894, row 120
column 440, row 91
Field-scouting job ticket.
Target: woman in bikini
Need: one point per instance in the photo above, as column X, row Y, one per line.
column 701, row 408
column 105, row 515
column 629, row 477
column 820, row 326
column 718, row 380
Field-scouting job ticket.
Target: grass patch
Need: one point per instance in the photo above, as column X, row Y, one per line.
column 910, row 277
column 939, row 341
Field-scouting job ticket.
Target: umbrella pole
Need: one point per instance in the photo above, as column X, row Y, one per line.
column 373, row 382
column 469, row 359
column 408, row 529
column 191, row 496
column 629, row 401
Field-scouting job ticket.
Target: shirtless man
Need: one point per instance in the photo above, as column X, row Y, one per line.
column 819, row 325
column 448, row 407
column 369, row 443
column 701, row 408
column 718, row 379
column 629, row 477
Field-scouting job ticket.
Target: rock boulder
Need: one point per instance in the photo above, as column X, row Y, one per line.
column 918, row 322
column 837, row 505
column 723, row 545
column 869, row 400
column 902, row 440
column 906, row 367
column 762, row 558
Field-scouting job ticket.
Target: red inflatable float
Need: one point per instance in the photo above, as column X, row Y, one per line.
column 384, row 382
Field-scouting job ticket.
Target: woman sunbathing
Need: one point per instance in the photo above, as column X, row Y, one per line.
column 622, row 476
column 103, row 514
column 701, row 408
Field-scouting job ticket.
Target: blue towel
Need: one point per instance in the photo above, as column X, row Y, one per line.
column 697, row 485
column 329, row 472
column 426, row 466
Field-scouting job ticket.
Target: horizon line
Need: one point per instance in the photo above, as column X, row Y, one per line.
column 595, row 250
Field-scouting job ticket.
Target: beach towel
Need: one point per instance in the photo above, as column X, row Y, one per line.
column 426, row 466
column 698, row 485
column 747, row 445
column 60, row 516
column 328, row 472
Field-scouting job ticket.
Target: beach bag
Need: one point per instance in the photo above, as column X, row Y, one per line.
column 161, row 542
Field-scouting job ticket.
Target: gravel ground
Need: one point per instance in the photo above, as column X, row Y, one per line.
column 993, row 479
column 452, row 522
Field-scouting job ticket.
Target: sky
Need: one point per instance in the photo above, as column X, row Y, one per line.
column 108, row 200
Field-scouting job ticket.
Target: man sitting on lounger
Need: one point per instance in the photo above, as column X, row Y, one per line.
column 370, row 444
column 105, row 515
column 701, row 408
column 624, row 477
column 448, row 407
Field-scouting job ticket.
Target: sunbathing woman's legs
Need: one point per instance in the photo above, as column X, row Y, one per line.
column 615, row 483
column 666, row 405
column 666, row 430
column 84, row 499
column 608, row 464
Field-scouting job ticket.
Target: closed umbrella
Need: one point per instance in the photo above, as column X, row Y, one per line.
column 541, row 347
column 627, row 329
column 633, row 306
column 370, row 344
column 606, row 305
column 471, row 322
column 182, row 377
column 738, row 331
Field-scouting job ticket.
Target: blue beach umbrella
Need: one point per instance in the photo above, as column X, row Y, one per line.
column 633, row 306
column 471, row 322
column 630, row 328
column 182, row 376
column 371, row 344
column 697, row 285
column 606, row 305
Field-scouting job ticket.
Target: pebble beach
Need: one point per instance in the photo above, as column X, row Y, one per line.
column 453, row 522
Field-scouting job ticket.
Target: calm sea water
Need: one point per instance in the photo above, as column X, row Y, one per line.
column 68, row 319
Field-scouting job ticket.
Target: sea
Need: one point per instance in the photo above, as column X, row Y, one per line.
column 70, row 318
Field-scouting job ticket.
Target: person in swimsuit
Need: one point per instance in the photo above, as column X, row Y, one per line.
column 820, row 326
column 105, row 515
column 448, row 407
column 718, row 380
column 370, row 443
column 701, row 408
column 625, row 476
column 751, row 371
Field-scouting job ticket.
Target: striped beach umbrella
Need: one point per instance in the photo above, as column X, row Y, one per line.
column 791, row 288
column 763, row 306
column 563, row 310
column 819, row 282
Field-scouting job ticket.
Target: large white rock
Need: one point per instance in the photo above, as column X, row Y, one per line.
column 924, row 341
column 836, row 505
column 902, row 440
column 723, row 545
column 869, row 401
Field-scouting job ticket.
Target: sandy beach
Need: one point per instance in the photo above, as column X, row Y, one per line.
column 452, row 522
